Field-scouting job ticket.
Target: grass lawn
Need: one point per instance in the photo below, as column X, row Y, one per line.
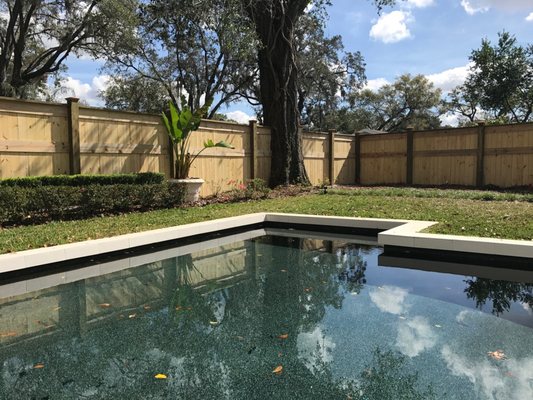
column 463, row 212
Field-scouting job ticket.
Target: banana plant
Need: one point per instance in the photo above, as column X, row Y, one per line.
column 180, row 124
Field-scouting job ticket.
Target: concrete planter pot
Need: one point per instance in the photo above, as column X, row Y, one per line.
column 192, row 188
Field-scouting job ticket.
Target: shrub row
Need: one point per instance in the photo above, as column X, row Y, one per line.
column 30, row 205
column 143, row 178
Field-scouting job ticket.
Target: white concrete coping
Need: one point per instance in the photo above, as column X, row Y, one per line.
column 393, row 232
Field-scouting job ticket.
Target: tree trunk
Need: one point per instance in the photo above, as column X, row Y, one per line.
column 274, row 21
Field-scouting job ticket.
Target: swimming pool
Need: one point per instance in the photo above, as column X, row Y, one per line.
column 266, row 315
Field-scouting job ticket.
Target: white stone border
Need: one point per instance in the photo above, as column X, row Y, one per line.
column 393, row 232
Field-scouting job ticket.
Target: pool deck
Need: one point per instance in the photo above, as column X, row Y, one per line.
column 392, row 232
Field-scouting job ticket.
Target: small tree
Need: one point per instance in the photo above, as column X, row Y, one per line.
column 180, row 124
column 500, row 82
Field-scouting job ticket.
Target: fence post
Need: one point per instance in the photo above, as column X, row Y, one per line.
column 357, row 158
column 480, row 164
column 73, row 123
column 253, row 148
column 331, row 156
column 409, row 170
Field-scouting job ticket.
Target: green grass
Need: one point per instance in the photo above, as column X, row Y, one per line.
column 458, row 212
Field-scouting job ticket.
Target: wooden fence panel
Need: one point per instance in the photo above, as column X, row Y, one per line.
column 383, row 159
column 509, row 155
column 221, row 168
column 445, row 157
column 113, row 142
column 33, row 138
column 316, row 153
column 345, row 159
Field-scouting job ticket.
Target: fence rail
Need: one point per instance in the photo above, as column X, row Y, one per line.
column 38, row 138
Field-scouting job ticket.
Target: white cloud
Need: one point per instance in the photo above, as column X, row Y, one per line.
column 478, row 6
column 415, row 336
column 450, row 78
column 529, row 18
column 375, row 84
column 240, row 116
column 315, row 348
column 389, row 299
column 420, row 3
column 475, row 6
column 449, row 119
column 392, row 27
column 85, row 91
column 492, row 379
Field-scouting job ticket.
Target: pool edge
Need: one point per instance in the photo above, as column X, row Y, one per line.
column 392, row 232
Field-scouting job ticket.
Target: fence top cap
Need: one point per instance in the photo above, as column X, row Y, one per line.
column 73, row 99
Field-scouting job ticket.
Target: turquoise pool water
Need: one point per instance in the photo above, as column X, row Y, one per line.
column 272, row 317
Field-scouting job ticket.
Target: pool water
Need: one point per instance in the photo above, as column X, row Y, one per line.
column 271, row 317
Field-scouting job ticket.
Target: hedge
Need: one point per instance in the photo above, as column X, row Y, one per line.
column 84, row 180
column 42, row 203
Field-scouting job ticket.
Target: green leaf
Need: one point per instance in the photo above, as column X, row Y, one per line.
column 209, row 143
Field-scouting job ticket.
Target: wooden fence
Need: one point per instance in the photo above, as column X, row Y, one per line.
column 39, row 138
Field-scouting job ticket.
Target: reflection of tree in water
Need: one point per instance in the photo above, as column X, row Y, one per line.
column 351, row 261
column 216, row 342
column 386, row 379
column 500, row 293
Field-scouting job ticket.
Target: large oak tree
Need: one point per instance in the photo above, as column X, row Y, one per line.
column 275, row 22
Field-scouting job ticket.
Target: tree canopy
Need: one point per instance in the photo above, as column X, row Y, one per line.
column 411, row 101
column 328, row 75
column 201, row 49
column 37, row 36
column 499, row 85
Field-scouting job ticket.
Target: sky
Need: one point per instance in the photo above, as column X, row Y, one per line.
column 429, row 37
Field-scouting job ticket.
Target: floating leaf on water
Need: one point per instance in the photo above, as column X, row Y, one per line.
column 438, row 326
column 38, row 366
column 132, row 316
column 160, row 376
column 240, row 337
column 283, row 336
column 402, row 317
column 497, row 355
column 147, row 307
column 283, row 270
column 213, row 322
column 104, row 305
column 308, row 289
column 278, row 370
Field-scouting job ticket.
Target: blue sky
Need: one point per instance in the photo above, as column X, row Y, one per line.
column 429, row 37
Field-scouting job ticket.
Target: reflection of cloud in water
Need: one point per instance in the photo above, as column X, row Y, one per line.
column 389, row 299
column 415, row 336
column 462, row 315
column 315, row 348
column 510, row 379
column 526, row 307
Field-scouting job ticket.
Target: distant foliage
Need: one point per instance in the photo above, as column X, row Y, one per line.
column 411, row 101
column 499, row 86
